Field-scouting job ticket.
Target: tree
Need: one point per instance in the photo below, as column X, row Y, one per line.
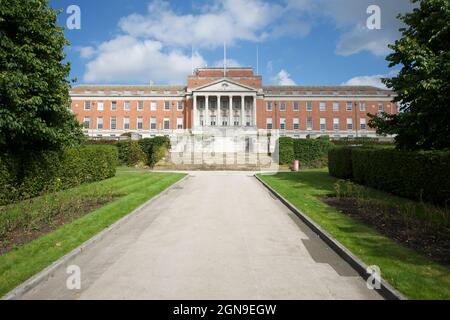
column 34, row 90
column 423, row 84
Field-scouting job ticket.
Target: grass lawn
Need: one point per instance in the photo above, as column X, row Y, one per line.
column 127, row 191
column 414, row 275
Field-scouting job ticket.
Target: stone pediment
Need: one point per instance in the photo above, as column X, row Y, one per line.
column 225, row 85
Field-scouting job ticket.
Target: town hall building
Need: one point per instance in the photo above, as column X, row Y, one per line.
column 221, row 98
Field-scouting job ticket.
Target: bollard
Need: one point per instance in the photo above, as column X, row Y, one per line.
column 296, row 166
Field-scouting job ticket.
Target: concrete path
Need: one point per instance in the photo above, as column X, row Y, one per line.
column 217, row 236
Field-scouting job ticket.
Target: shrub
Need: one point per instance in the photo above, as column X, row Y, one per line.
column 340, row 162
column 361, row 141
column 286, row 150
column 54, row 170
column 155, row 149
column 312, row 153
column 130, row 153
column 416, row 175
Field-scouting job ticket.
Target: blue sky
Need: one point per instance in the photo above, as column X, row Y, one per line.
column 304, row 42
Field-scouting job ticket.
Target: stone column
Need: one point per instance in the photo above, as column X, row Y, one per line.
column 230, row 123
column 207, row 124
column 219, row 98
column 194, row 112
column 242, row 111
column 254, row 120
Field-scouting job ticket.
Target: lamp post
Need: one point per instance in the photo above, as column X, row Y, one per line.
column 356, row 118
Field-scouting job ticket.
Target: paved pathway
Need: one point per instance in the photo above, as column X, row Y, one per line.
column 217, row 236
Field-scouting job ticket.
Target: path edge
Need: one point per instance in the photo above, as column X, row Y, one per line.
column 46, row 273
column 386, row 291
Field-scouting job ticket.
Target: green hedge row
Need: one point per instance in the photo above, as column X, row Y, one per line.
column 365, row 141
column 146, row 151
column 340, row 162
column 52, row 171
column 311, row 153
column 416, row 175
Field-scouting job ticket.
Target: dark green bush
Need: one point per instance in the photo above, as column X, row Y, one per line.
column 155, row 149
column 416, row 175
column 340, row 162
column 130, row 153
column 361, row 141
column 286, row 150
column 312, row 153
column 53, row 171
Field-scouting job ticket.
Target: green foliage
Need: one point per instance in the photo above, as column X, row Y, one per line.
column 130, row 153
column 34, row 90
column 423, row 84
column 364, row 141
column 48, row 171
column 155, row 149
column 419, row 175
column 311, row 153
column 340, row 162
column 286, row 150
column 416, row 175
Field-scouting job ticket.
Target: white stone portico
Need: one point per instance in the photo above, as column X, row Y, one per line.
column 224, row 104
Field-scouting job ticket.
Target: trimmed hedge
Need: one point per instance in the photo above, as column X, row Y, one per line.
column 340, row 162
column 130, row 153
column 311, row 153
column 155, row 149
column 53, row 171
column 415, row 175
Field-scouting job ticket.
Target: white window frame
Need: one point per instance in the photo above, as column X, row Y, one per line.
column 323, row 124
column 323, row 106
column 309, row 106
column 100, row 106
column 363, row 122
column 336, row 106
column 87, row 120
column 296, row 106
column 283, row 106
column 141, row 106
column 336, row 124
column 180, row 125
column 269, row 106
column 113, row 105
column 166, row 105
column 282, row 123
column 111, row 123
column 140, row 121
column 154, row 122
column 309, row 123
column 166, row 120
column 153, row 106
column 87, row 105
column 350, row 124
column 126, row 121
column 296, row 123
column 127, row 106
column 98, row 123
column 269, row 123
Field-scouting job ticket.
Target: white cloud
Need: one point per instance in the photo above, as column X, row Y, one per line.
column 223, row 21
column 373, row 80
column 126, row 58
column 283, row 78
column 350, row 16
column 86, row 52
column 231, row 63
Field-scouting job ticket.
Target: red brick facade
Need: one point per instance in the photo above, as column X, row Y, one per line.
column 151, row 110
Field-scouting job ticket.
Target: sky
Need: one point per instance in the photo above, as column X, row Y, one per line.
column 300, row 42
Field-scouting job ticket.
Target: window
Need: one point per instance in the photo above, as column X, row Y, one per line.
column 362, row 107
column 363, row 123
column 139, row 123
column 269, row 106
column 296, row 123
column 380, row 107
column 309, row 123
column 323, row 124
column 113, row 105
column 349, row 106
column 349, row 124
column 283, row 123
column 336, row 106
column 283, row 106
column 179, row 123
column 323, row 106
column 153, row 106
column 140, row 106
column 113, row 123
column 166, row 123
column 87, row 105
column 180, row 106
column 296, row 106
column 269, row 125
column 336, row 124
column 87, row 122
column 126, row 123
column 126, row 106
column 153, row 123
column 100, row 123
column 100, row 105
column 166, row 105
column 309, row 106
